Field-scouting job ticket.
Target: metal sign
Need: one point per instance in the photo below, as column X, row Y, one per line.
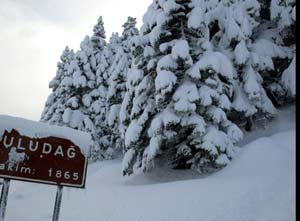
column 49, row 160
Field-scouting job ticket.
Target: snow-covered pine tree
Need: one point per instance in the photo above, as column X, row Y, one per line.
column 117, row 83
column 63, row 106
column 234, row 24
column 273, row 48
column 181, row 94
column 283, row 81
column 133, row 79
column 69, row 111
column 284, row 13
column 113, row 45
column 83, row 104
column 95, row 99
column 54, row 107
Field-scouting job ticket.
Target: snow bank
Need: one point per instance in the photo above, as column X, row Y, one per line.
column 259, row 184
column 41, row 130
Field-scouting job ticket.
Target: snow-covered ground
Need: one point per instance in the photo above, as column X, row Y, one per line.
column 258, row 185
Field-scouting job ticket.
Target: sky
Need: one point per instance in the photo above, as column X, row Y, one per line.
column 33, row 35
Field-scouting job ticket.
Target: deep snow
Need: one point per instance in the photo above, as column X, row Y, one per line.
column 259, row 184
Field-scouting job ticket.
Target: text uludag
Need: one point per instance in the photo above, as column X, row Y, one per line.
column 50, row 160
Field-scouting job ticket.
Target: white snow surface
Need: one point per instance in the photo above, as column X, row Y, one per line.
column 259, row 184
column 215, row 61
column 181, row 49
column 35, row 129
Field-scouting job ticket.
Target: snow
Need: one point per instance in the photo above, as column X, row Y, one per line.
column 241, row 104
column 294, row 13
column 234, row 133
column 289, row 78
column 197, row 121
column 196, row 17
column 67, row 115
column 232, row 30
column 169, row 117
column 215, row 61
column 241, row 53
column 156, row 126
column 159, row 18
column 123, row 115
column 79, row 80
column 284, row 11
column 113, row 114
column 77, row 119
column 67, row 81
column 170, row 5
column 96, row 106
column 284, row 121
column 181, row 49
column 166, row 62
column 224, row 102
column 216, row 138
column 165, row 81
column 41, row 130
column 164, row 119
column 150, row 153
column 130, row 154
column 148, row 52
column 135, row 128
column 134, row 76
column 216, row 114
column 266, row 48
column 138, row 105
column 185, row 97
column 15, row 158
column 259, row 184
column 222, row 160
column 73, row 102
column 207, row 95
column 250, row 84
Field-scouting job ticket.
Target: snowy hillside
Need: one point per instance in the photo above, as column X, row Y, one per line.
column 257, row 185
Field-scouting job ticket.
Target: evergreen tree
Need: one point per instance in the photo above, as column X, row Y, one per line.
column 284, row 13
column 175, row 92
column 63, row 106
column 182, row 94
column 54, row 105
column 234, row 25
column 95, row 98
column 117, row 82
column 131, row 83
column 82, row 90
column 282, row 83
column 113, row 45
column 273, row 48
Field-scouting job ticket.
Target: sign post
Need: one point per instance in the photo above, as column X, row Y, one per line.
column 3, row 199
column 34, row 154
column 57, row 204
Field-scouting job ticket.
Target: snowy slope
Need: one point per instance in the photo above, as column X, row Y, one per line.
column 258, row 185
